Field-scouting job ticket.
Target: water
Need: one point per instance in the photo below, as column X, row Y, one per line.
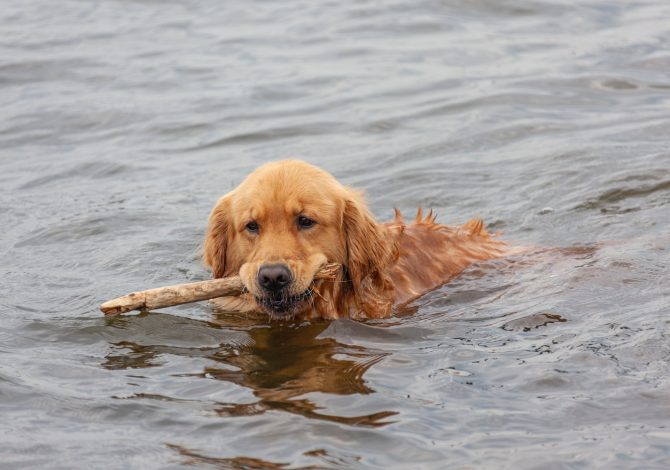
column 123, row 121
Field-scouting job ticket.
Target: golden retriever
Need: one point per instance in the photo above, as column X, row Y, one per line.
column 288, row 218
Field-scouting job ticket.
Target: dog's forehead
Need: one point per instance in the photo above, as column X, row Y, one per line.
column 279, row 198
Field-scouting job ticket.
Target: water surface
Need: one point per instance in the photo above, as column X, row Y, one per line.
column 123, row 122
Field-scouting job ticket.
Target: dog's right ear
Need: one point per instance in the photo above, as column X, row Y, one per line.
column 369, row 254
column 216, row 238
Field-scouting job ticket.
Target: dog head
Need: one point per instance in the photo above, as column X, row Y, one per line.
column 282, row 224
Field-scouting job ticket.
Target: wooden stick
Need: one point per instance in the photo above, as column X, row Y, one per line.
column 178, row 294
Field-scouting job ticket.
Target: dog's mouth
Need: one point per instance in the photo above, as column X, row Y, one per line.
column 281, row 304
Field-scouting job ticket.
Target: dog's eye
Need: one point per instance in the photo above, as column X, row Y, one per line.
column 305, row 222
column 252, row 226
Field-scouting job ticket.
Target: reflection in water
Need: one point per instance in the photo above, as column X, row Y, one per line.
column 281, row 364
column 236, row 463
column 196, row 459
column 136, row 356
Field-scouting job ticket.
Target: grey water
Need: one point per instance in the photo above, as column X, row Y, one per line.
column 122, row 122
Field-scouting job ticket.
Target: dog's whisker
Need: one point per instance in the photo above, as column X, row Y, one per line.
column 320, row 295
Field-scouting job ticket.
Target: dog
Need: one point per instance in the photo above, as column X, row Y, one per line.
column 287, row 219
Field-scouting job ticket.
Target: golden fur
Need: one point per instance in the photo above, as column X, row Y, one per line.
column 385, row 264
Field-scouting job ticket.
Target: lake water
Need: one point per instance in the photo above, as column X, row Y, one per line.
column 122, row 123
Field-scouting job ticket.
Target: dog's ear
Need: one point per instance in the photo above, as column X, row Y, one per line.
column 216, row 238
column 369, row 254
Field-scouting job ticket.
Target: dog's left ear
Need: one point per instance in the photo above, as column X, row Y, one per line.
column 216, row 238
column 369, row 254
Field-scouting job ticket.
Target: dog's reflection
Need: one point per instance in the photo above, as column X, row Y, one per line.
column 280, row 363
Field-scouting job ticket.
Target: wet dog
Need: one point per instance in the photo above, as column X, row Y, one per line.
column 289, row 218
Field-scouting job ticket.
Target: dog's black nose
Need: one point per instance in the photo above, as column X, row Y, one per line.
column 274, row 277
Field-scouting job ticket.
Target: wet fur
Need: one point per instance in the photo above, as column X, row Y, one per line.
column 385, row 264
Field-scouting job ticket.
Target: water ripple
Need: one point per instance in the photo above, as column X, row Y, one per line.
column 123, row 121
